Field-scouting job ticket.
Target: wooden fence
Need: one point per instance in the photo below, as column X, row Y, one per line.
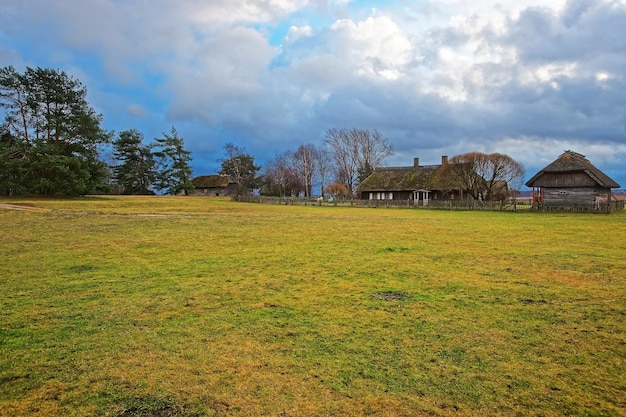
column 611, row 207
column 505, row 205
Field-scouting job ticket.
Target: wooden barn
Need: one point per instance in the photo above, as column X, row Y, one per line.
column 571, row 182
column 214, row 186
column 419, row 183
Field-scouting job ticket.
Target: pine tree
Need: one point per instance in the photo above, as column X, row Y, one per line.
column 136, row 169
column 173, row 169
column 51, row 136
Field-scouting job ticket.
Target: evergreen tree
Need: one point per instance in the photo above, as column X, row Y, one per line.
column 136, row 169
column 50, row 134
column 12, row 165
column 174, row 171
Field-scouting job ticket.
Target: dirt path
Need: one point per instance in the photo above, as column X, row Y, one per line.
column 19, row 207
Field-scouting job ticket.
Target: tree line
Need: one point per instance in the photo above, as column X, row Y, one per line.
column 346, row 157
column 349, row 156
column 51, row 142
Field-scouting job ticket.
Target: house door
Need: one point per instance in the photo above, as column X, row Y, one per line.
column 421, row 197
column 537, row 197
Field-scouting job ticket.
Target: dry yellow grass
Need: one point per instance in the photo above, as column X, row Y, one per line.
column 192, row 306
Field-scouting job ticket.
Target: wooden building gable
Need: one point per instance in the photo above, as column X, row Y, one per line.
column 571, row 169
column 571, row 180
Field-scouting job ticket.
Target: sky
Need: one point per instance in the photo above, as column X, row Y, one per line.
column 525, row 78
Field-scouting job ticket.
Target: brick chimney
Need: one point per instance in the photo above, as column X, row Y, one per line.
column 416, row 162
column 444, row 160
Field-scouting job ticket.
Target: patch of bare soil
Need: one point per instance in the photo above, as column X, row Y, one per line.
column 390, row 296
column 136, row 412
column 163, row 410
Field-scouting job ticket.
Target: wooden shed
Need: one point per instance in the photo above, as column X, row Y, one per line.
column 214, row 185
column 572, row 182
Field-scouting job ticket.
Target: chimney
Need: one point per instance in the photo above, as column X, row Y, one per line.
column 416, row 162
column 444, row 160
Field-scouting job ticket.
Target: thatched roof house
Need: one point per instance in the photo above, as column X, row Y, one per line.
column 420, row 183
column 214, row 185
column 571, row 181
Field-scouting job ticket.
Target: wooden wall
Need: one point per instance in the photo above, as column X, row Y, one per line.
column 568, row 196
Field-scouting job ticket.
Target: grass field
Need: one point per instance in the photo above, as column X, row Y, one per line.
column 160, row 306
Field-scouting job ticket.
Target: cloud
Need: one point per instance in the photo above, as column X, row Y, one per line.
column 136, row 110
column 435, row 77
column 374, row 47
column 221, row 77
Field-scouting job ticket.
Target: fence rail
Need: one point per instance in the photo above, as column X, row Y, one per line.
column 504, row 205
column 610, row 207
column 508, row 205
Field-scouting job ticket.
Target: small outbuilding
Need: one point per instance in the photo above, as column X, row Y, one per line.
column 571, row 182
column 214, row 186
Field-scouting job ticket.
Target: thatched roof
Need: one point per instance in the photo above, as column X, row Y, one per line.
column 570, row 162
column 210, row 181
column 401, row 179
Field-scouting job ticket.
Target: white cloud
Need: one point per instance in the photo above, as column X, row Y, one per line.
column 296, row 32
column 375, row 47
column 438, row 76
column 230, row 12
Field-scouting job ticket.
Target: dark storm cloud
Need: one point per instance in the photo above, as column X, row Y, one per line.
column 529, row 78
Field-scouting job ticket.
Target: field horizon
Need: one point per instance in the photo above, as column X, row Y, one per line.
column 195, row 306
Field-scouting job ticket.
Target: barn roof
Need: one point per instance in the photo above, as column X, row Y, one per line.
column 570, row 162
column 210, row 181
column 401, row 179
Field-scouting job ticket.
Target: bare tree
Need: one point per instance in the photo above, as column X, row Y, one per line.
column 324, row 166
column 343, row 154
column 356, row 153
column 503, row 176
column 304, row 162
column 373, row 149
column 239, row 165
column 485, row 176
column 280, row 178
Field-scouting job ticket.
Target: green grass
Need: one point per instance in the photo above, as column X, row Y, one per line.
column 158, row 306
